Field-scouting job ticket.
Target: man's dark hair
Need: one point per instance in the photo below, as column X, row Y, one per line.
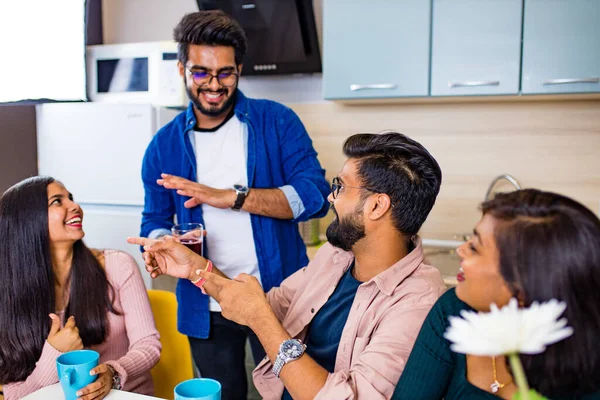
column 549, row 248
column 400, row 167
column 212, row 28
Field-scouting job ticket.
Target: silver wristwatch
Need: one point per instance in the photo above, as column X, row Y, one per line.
column 116, row 380
column 290, row 350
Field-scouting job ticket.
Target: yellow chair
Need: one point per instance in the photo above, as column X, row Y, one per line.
column 175, row 363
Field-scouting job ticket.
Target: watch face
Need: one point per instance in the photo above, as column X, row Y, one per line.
column 240, row 188
column 292, row 349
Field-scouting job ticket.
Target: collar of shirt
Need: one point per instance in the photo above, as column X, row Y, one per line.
column 388, row 280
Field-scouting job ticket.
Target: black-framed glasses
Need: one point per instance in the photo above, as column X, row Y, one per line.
column 336, row 186
column 204, row 78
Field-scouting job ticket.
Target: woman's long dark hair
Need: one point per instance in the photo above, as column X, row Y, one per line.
column 549, row 247
column 27, row 282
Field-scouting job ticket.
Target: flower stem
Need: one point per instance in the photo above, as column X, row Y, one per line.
column 519, row 375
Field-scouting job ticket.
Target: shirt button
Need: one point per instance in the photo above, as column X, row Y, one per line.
column 312, row 310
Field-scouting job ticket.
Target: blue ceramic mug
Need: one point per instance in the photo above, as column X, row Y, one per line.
column 74, row 371
column 198, row 389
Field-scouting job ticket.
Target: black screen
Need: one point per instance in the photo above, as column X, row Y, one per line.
column 122, row 75
column 273, row 29
column 280, row 33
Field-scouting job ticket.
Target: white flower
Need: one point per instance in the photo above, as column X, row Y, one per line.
column 509, row 330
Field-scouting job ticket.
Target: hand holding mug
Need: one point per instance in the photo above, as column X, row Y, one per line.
column 99, row 389
column 75, row 372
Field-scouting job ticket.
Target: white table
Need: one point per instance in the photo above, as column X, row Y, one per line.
column 55, row 392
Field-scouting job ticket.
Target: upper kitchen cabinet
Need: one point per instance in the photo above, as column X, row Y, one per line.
column 561, row 46
column 476, row 47
column 376, row 49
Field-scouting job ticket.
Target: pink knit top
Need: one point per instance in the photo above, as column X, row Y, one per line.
column 132, row 345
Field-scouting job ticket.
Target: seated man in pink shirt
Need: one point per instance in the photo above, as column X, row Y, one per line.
column 344, row 326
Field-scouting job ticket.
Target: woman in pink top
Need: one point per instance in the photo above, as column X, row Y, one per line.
column 49, row 277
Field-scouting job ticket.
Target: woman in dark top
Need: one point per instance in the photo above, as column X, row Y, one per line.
column 534, row 246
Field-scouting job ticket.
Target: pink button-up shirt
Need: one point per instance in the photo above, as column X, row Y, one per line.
column 381, row 329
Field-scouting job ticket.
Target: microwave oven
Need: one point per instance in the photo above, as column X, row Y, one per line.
column 135, row 73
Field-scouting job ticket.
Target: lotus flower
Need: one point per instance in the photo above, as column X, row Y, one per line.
column 510, row 331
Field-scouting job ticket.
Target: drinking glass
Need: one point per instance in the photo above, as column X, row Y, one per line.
column 190, row 234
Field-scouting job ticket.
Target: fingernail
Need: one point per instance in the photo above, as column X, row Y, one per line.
column 78, row 393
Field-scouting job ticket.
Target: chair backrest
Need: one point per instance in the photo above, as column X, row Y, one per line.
column 175, row 365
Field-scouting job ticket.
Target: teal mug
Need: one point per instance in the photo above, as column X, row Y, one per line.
column 198, row 389
column 74, row 371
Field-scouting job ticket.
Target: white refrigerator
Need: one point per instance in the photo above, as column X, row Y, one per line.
column 96, row 151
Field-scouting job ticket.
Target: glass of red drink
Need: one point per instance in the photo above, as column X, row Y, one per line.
column 190, row 234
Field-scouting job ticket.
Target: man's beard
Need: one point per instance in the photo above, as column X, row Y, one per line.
column 345, row 233
column 213, row 111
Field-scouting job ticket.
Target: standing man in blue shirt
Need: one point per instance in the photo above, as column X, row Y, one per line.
column 247, row 170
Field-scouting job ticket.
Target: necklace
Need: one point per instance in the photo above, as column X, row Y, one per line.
column 496, row 386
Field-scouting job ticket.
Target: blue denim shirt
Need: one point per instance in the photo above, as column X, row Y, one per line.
column 280, row 153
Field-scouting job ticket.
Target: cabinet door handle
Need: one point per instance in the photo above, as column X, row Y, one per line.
column 574, row 80
column 473, row 83
column 385, row 86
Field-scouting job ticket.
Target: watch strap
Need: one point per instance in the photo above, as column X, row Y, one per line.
column 116, row 379
column 278, row 365
column 240, row 199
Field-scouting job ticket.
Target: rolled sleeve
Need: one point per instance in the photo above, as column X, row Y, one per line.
column 281, row 297
column 157, row 233
column 302, row 169
column 293, row 199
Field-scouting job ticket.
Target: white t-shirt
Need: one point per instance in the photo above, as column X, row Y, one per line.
column 221, row 159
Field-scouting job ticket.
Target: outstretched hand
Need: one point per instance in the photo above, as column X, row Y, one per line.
column 197, row 192
column 167, row 256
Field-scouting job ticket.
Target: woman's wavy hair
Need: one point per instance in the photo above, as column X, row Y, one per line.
column 27, row 282
column 549, row 247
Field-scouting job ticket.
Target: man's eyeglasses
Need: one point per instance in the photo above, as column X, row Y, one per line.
column 204, row 78
column 336, row 186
